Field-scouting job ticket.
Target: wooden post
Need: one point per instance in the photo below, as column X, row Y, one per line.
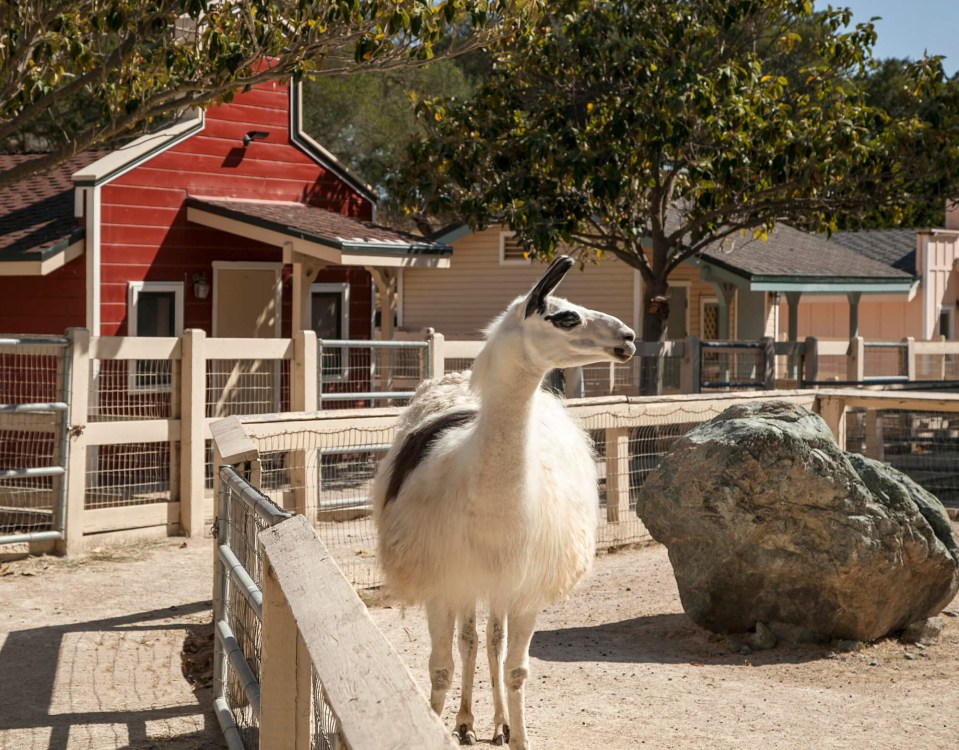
column 192, row 431
column 769, row 363
column 303, row 381
column 437, row 354
column 833, row 411
column 691, row 374
column 617, row 474
column 855, row 359
column 875, row 440
column 72, row 542
column 286, row 679
column 810, row 361
column 910, row 368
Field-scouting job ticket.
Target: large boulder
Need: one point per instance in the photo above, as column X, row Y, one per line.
column 767, row 520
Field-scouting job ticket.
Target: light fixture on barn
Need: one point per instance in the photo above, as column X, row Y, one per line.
column 201, row 287
column 254, row 135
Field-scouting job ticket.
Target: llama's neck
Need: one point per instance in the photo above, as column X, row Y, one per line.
column 507, row 384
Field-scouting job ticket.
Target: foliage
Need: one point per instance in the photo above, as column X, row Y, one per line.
column 653, row 131
column 133, row 61
column 366, row 120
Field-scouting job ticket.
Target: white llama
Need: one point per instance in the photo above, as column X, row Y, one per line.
column 490, row 492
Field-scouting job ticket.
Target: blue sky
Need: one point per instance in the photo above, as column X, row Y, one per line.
column 908, row 27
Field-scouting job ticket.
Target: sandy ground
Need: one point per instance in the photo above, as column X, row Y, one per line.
column 91, row 649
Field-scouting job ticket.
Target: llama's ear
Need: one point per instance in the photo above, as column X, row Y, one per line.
column 536, row 302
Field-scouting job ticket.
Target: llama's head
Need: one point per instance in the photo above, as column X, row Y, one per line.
column 552, row 332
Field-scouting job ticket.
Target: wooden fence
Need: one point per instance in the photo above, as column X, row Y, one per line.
column 140, row 458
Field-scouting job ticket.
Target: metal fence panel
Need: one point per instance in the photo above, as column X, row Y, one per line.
column 34, row 420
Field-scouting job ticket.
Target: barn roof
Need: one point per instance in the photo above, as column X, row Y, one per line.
column 38, row 227
column 316, row 232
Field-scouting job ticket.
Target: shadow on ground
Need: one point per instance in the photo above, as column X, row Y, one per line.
column 45, row 693
column 657, row 639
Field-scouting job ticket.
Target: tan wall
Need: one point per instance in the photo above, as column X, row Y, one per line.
column 887, row 320
column 461, row 300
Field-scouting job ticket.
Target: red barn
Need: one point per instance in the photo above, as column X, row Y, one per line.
column 232, row 220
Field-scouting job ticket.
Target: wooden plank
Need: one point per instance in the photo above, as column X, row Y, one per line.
column 133, row 431
column 233, row 444
column 370, row 690
column 462, row 349
column 617, row 474
column 285, row 696
column 217, row 348
column 97, row 520
column 134, row 347
column 192, row 431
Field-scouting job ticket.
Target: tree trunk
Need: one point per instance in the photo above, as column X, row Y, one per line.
column 655, row 317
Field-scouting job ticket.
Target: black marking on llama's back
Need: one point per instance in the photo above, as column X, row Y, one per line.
column 417, row 444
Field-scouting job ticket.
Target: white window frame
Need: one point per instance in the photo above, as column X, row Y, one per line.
column 344, row 291
column 503, row 261
column 134, row 290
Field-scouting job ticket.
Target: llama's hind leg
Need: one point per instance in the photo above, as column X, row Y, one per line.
column 521, row 625
column 441, row 621
column 467, row 641
column 495, row 651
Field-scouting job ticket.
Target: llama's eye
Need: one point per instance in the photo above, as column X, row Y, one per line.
column 565, row 319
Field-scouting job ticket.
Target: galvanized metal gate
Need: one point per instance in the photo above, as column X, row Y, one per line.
column 35, row 422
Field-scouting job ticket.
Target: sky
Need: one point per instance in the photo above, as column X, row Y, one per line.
column 909, row 27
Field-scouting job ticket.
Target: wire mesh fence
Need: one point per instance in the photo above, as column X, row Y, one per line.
column 247, row 386
column 732, row 365
column 131, row 389
column 34, row 396
column 370, row 373
column 924, row 445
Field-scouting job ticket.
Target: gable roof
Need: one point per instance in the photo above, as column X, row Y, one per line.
column 37, row 220
column 793, row 260
column 894, row 247
column 317, row 232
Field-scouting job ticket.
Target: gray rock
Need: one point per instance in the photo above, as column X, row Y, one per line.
column 924, row 632
column 767, row 520
column 763, row 638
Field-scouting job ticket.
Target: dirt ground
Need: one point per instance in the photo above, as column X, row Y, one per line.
column 92, row 650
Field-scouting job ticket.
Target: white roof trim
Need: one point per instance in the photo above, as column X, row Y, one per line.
column 145, row 147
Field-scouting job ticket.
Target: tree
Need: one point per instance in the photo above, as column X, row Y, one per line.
column 891, row 85
column 366, row 120
column 653, row 131
column 134, row 61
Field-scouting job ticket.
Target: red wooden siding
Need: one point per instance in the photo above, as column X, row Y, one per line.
column 44, row 304
column 145, row 233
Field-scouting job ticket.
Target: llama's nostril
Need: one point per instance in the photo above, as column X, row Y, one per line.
column 629, row 336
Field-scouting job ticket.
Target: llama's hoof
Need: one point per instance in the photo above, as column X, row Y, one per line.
column 465, row 735
column 502, row 738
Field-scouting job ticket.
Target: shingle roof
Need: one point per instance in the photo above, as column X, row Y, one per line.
column 894, row 247
column 321, row 226
column 36, row 213
column 797, row 255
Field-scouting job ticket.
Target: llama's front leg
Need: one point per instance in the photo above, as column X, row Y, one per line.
column 441, row 622
column 495, row 651
column 467, row 640
column 521, row 626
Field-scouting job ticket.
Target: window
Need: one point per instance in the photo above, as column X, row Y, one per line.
column 710, row 325
column 511, row 250
column 330, row 319
column 154, row 308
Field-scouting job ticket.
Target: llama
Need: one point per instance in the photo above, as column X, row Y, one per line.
column 489, row 493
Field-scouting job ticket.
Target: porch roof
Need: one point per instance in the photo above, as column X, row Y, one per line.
column 39, row 231
column 316, row 232
column 795, row 261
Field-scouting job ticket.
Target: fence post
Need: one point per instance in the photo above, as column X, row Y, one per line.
column 691, row 374
column 617, row 474
column 79, row 388
column 303, row 379
column 192, row 430
column 855, row 359
column 875, row 439
column 286, row 673
column 769, row 363
column 810, row 361
column 833, row 412
column 910, row 356
column 437, row 354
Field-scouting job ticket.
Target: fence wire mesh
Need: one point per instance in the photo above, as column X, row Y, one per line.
column 123, row 390
column 937, row 367
column 325, row 732
column 247, row 386
column 350, row 371
column 731, row 368
column 128, row 474
column 924, row 445
column 32, row 372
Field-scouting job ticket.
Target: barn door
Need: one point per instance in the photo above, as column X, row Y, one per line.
column 246, row 304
